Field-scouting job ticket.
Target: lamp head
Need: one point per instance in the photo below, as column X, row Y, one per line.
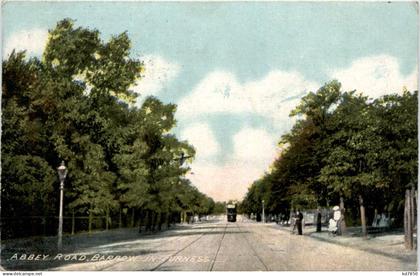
column 62, row 171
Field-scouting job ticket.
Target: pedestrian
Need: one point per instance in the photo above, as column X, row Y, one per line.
column 318, row 221
column 299, row 218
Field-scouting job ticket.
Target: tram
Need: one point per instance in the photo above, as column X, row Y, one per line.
column 231, row 212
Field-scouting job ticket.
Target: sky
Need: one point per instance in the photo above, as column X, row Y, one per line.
column 237, row 69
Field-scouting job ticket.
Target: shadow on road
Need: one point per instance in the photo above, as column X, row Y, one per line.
column 408, row 258
column 56, row 260
column 16, row 254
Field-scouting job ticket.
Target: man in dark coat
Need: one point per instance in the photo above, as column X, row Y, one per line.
column 299, row 219
column 318, row 221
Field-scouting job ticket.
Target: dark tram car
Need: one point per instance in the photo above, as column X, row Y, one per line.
column 231, row 212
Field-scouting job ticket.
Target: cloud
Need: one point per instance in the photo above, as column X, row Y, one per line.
column 157, row 75
column 253, row 151
column 33, row 41
column 201, row 136
column 256, row 146
column 375, row 76
column 272, row 97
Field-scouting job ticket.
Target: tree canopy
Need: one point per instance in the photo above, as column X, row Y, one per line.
column 76, row 104
column 343, row 145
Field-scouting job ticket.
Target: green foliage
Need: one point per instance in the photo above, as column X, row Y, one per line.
column 219, row 208
column 76, row 105
column 29, row 184
column 343, row 144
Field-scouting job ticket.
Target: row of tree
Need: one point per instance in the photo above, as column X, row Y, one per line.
column 343, row 145
column 77, row 104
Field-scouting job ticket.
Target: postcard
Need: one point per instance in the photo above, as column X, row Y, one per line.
column 209, row 136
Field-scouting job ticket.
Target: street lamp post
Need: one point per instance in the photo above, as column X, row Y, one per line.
column 263, row 213
column 62, row 173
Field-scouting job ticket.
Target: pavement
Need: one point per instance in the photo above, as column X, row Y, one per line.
column 210, row 246
column 390, row 243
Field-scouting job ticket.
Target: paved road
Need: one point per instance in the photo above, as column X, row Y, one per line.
column 223, row 246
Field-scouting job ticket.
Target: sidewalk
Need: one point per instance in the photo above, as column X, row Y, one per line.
column 390, row 244
column 78, row 242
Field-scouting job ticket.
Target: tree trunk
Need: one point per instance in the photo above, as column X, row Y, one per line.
column 363, row 217
column 343, row 220
column 132, row 217
column 140, row 220
column 107, row 219
column 375, row 216
column 72, row 222
column 90, row 221
column 167, row 220
column 120, row 219
column 412, row 207
column 408, row 224
column 153, row 220
column 415, row 207
column 406, row 220
column 159, row 221
column 147, row 220
column 44, row 225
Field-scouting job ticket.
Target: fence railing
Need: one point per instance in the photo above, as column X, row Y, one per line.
column 17, row 227
column 26, row 226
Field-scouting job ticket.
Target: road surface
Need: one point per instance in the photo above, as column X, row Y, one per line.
column 223, row 246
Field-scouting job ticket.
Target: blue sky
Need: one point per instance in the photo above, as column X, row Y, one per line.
column 236, row 69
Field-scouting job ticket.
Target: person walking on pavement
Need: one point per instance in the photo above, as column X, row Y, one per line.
column 318, row 221
column 299, row 219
